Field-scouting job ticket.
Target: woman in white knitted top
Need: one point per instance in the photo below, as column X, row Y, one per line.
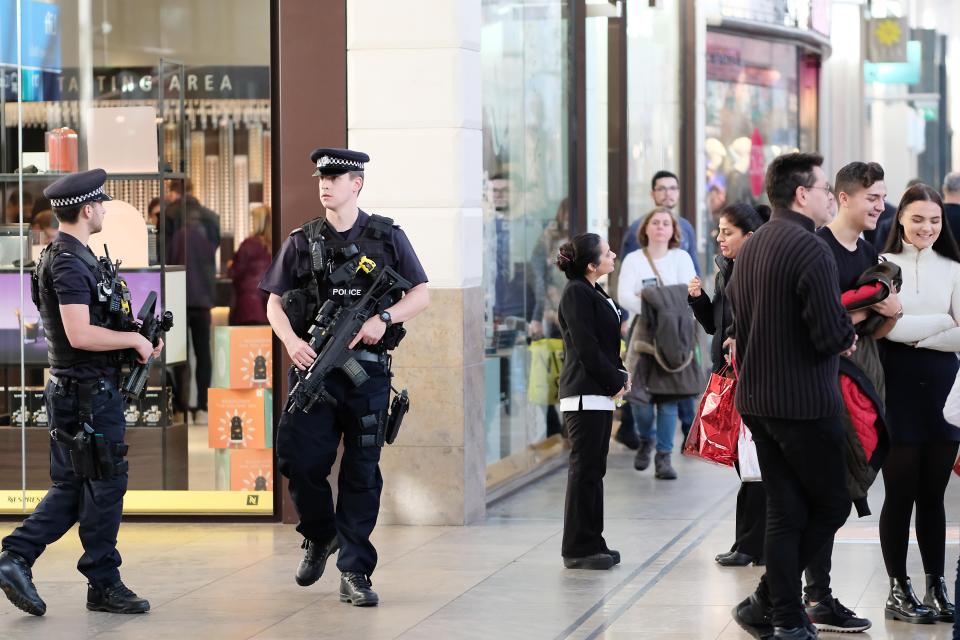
column 660, row 263
column 920, row 366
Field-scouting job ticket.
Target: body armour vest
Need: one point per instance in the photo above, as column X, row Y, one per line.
column 60, row 352
column 339, row 278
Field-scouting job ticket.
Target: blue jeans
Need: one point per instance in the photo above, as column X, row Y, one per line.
column 685, row 410
column 956, row 614
column 662, row 429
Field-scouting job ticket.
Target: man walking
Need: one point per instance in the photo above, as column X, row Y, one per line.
column 790, row 330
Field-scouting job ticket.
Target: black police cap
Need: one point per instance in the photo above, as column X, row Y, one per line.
column 333, row 162
column 78, row 188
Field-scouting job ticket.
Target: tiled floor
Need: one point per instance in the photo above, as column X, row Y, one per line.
column 499, row 579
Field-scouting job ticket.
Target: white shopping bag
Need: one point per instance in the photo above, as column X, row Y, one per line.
column 747, row 456
column 951, row 410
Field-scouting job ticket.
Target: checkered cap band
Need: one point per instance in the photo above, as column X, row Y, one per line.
column 72, row 200
column 325, row 161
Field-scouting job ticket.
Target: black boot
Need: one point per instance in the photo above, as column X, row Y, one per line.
column 16, row 580
column 115, row 598
column 597, row 561
column 315, row 560
column 355, row 589
column 938, row 599
column 642, row 460
column 797, row 633
column 754, row 616
column 903, row 604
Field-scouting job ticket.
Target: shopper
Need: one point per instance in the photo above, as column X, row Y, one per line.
column 951, row 202
column 920, row 364
column 860, row 194
column 660, row 263
column 736, row 224
column 592, row 379
column 249, row 264
column 665, row 192
column 790, row 329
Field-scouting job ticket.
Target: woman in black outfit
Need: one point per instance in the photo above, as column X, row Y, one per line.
column 737, row 223
column 592, row 379
column 920, row 365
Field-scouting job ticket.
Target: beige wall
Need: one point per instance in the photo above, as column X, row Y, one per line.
column 413, row 87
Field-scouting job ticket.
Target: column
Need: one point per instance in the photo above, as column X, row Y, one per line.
column 413, row 104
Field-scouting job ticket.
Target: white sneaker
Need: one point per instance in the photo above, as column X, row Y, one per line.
column 199, row 417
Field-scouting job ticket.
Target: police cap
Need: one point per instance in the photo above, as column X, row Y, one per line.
column 78, row 188
column 333, row 162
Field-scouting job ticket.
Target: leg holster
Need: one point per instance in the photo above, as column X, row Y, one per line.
column 91, row 456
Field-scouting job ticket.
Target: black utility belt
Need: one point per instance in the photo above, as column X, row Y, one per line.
column 64, row 386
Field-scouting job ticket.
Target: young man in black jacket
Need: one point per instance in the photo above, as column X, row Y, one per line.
column 790, row 330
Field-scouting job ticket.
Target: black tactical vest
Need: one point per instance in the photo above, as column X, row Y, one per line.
column 374, row 243
column 61, row 353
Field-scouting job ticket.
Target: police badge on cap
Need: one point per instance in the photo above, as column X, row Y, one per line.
column 333, row 162
column 78, row 188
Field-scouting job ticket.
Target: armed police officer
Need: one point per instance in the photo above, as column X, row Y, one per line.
column 330, row 260
column 85, row 407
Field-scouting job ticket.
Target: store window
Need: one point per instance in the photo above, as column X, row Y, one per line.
column 526, row 218
column 173, row 101
column 752, row 114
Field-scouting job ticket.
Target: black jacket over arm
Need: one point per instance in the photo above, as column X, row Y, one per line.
column 788, row 321
column 591, row 342
column 716, row 316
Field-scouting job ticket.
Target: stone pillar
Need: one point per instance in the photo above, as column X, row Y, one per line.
column 413, row 104
column 843, row 116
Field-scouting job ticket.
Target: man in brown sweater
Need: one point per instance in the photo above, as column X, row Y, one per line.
column 790, row 331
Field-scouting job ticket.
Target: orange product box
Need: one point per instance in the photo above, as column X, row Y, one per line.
column 251, row 470
column 240, row 418
column 242, row 357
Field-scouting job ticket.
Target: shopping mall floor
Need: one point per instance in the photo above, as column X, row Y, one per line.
column 501, row 578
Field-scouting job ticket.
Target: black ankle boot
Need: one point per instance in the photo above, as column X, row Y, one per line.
column 903, row 604
column 938, row 599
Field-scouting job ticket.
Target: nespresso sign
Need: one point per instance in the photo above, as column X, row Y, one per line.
column 143, row 83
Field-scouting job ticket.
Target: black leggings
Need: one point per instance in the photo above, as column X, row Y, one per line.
column 915, row 474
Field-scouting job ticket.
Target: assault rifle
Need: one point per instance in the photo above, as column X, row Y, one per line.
column 151, row 327
column 332, row 331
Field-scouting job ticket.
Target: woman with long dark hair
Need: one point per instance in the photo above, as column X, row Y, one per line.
column 920, row 366
column 736, row 224
column 592, row 379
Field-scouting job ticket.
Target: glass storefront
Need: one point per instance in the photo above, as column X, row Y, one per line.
column 524, row 62
column 174, row 103
column 752, row 114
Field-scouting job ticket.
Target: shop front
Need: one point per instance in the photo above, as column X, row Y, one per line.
column 175, row 104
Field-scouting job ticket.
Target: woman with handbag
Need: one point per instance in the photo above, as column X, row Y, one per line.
column 593, row 378
column 920, row 365
column 736, row 224
column 660, row 263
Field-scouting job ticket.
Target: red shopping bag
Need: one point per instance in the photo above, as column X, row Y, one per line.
column 713, row 435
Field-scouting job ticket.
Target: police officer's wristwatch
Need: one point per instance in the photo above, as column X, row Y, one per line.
column 385, row 316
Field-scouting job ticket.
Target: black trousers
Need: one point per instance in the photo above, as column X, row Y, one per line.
column 198, row 323
column 96, row 505
column 307, row 446
column 589, row 435
column 817, row 574
column 916, row 475
column 751, row 523
column 804, row 472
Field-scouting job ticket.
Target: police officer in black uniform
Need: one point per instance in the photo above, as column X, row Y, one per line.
column 307, row 442
column 84, row 354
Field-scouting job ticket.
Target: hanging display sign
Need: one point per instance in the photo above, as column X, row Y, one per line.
column 143, row 83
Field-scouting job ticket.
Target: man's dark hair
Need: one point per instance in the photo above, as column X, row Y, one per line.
column 945, row 244
column 662, row 174
column 786, row 173
column 69, row 214
column 500, row 175
column 857, row 176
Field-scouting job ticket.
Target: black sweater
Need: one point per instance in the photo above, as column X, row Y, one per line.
column 716, row 316
column 788, row 321
column 591, row 342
